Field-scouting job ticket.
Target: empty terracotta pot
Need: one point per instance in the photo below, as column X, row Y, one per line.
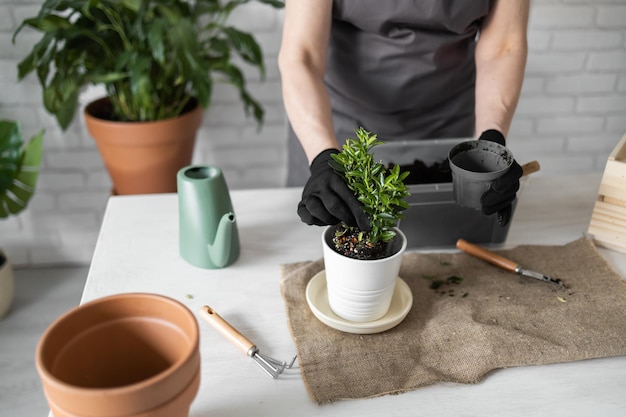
column 125, row 355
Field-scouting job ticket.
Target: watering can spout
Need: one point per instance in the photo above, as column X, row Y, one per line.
column 220, row 249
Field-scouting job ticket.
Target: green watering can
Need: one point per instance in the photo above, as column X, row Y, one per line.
column 208, row 236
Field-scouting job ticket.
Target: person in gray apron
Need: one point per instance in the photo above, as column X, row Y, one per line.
column 403, row 69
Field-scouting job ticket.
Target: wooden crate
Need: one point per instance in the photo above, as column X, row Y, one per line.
column 608, row 220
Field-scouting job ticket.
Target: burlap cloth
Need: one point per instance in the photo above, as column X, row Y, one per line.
column 459, row 332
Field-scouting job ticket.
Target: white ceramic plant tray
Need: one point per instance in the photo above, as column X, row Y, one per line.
column 317, row 298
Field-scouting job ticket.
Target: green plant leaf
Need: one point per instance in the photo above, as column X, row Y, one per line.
column 274, row 3
column 49, row 23
column 336, row 164
column 10, row 146
column 245, row 45
column 132, row 4
column 19, row 168
column 387, row 235
column 155, row 40
column 27, row 65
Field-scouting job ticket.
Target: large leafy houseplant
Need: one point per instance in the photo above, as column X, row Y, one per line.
column 19, row 167
column 380, row 190
column 19, row 170
column 152, row 56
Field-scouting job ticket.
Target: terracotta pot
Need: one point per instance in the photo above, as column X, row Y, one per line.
column 125, row 355
column 7, row 284
column 143, row 157
column 361, row 290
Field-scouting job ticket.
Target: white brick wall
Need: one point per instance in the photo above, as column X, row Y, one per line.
column 571, row 115
column 572, row 110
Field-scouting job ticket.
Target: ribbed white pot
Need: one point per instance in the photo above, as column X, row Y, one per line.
column 361, row 290
column 6, row 284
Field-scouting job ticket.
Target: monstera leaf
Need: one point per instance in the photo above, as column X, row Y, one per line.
column 19, row 167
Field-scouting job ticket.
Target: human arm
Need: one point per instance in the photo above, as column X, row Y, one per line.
column 501, row 53
column 302, row 63
column 326, row 198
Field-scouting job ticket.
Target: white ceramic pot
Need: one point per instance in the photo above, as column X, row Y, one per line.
column 6, row 284
column 361, row 290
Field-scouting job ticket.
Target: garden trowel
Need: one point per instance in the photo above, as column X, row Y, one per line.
column 504, row 263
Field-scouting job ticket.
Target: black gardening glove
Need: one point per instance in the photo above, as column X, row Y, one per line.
column 326, row 198
column 503, row 191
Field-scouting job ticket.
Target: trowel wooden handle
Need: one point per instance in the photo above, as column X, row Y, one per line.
column 530, row 167
column 486, row 255
column 226, row 329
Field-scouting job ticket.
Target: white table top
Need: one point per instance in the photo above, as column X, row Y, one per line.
column 137, row 250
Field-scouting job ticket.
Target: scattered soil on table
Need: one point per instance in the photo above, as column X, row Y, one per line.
column 443, row 286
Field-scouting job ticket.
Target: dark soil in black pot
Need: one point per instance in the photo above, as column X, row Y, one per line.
column 420, row 173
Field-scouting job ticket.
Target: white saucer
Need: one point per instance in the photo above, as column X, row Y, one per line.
column 317, row 298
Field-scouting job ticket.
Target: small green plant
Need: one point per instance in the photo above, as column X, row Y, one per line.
column 380, row 190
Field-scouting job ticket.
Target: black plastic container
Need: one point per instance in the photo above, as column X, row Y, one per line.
column 434, row 220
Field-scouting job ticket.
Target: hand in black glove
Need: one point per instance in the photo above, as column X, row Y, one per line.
column 503, row 191
column 326, row 198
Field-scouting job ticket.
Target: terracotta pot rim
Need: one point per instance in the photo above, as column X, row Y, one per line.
column 140, row 134
column 88, row 113
column 191, row 356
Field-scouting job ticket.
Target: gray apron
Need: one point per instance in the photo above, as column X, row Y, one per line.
column 403, row 69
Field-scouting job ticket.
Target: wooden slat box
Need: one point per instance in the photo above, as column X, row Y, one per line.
column 608, row 220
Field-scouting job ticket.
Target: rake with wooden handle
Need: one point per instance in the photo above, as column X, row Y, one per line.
column 271, row 366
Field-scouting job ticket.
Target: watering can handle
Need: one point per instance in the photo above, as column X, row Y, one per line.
column 227, row 330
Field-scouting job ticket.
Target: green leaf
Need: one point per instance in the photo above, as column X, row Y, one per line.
column 133, row 5
column 156, row 41
column 274, row 3
column 27, row 65
column 245, row 45
column 387, row 235
column 19, row 168
column 61, row 99
column 48, row 23
column 10, row 146
column 336, row 164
